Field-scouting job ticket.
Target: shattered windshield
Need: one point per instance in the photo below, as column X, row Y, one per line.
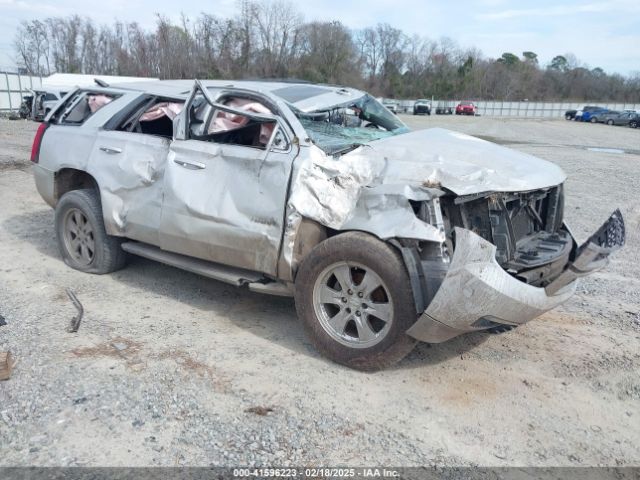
column 341, row 128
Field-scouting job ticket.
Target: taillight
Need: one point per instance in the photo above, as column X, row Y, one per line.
column 37, row 141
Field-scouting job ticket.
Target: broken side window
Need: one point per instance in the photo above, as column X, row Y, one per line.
column 81, row 106
column 154, row 117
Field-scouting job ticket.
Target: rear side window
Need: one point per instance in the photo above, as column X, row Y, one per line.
column 154, row 116
column 79, row 108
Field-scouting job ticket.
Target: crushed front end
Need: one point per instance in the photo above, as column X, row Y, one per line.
column 513, row 259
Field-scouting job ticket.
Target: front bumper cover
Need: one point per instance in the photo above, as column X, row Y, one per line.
column 477, row 292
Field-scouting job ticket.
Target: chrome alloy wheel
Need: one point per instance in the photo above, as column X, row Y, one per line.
column 78, row 236
column 353, row 304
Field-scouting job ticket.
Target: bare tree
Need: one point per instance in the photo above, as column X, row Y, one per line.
column 32, row 47
column 271, row 39
column 327, row 52
column 278, row 26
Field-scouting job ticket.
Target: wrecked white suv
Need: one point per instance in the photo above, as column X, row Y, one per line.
column 383, row 235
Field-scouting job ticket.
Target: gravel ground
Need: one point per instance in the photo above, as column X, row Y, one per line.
column 169, row 368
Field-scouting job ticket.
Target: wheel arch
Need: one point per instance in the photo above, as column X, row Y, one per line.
column 68, row 179
column 312, row 234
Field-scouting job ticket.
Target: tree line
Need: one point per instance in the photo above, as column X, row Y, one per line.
column 271, row 39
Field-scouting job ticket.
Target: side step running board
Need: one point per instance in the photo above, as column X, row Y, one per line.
column 235, row 276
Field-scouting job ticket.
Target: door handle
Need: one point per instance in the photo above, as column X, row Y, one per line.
column 111, row 150
column 190, row 165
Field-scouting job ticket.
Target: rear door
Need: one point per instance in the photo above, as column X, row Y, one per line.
column 623, row 119
column 131, row 167
column 226, row 186
column 130, row 157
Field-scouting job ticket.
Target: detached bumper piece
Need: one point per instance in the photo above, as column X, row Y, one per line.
column 477, row 293
column 594, row 253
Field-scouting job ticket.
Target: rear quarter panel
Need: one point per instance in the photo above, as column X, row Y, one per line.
column 70, row 146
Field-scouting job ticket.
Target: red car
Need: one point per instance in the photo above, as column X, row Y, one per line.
column 465, row 108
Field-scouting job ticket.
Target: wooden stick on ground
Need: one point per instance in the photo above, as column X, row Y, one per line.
column 6, row 364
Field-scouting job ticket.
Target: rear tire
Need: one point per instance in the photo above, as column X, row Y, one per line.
column 82, row 238
column 369, row 302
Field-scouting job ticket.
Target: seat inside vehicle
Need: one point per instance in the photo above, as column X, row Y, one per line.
column 79, row 113
column 162, row 127
column 248, row 136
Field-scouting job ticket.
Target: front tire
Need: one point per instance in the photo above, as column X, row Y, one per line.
column 609, row 122
column 354, row 298
column 82, row 239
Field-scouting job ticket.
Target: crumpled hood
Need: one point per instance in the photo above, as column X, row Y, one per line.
column 458, row 162
column 370, row 188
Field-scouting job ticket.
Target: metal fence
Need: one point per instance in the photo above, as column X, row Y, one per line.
column 13, row 87
column 522, row 109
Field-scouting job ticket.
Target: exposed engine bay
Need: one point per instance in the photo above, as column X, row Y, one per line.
column 526, row 227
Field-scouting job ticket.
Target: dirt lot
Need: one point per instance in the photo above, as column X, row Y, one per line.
column 169, row 368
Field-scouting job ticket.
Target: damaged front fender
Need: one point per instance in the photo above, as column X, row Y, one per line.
column 348, row 193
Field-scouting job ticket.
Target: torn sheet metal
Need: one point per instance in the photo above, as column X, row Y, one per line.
column 347, row 193
column 326, row 189
column 385, row 211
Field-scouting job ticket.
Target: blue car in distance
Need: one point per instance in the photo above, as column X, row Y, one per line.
column 591, row 115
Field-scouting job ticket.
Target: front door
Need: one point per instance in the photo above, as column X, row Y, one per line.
column 226, row 183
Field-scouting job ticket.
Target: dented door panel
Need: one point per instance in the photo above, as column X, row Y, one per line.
column 129, row 169
column 222, row 201
column 231, row 210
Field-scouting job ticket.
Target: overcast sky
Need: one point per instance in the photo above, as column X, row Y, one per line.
column 602, row 34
